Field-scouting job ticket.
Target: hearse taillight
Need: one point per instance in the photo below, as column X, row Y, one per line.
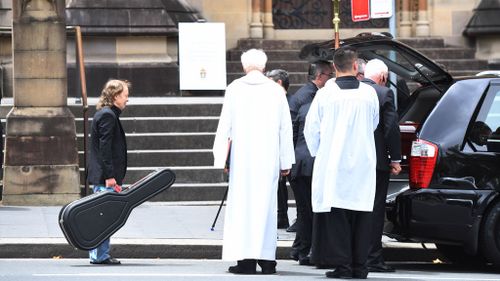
column 422, row 163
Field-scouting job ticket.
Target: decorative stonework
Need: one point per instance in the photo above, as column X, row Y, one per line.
column 41, row 156
column 38, row 10
column 316, row 14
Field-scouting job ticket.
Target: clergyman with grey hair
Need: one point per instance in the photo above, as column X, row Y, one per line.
column 387, row 143
column 255, row 131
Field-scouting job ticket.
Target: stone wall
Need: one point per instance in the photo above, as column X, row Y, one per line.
column 448, row 19
column 235, row 14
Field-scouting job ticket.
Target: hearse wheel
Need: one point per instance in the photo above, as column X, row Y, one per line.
column 490, row 235
column 456, row 255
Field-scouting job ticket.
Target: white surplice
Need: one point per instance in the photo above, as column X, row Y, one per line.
column 256, row 118
column 339, row 132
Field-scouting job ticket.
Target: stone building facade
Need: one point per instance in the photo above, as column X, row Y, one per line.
column 138, row 39
column 305, row 19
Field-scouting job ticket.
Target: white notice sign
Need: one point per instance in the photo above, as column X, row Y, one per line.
column 202, row 56
column 381, row 8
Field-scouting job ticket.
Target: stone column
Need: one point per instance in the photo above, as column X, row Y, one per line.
column 256, row 30
column 268, row 19
column 422, row 28
column 405, row 22
column 41, row 156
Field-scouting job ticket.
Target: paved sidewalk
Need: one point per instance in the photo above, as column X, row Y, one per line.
column 153, row 230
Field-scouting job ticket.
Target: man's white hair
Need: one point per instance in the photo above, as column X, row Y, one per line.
column 254, row 59
column 375, row 67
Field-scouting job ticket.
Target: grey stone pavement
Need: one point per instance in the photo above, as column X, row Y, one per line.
column 153, row 230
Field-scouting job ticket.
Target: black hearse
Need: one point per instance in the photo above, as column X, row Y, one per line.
column 449, row 191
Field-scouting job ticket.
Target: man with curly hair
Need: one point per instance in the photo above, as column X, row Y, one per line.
column 108, row 152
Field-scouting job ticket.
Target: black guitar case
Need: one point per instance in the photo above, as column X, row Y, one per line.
column 88, row 221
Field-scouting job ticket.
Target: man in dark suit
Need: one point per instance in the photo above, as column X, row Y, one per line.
column 318, row 73
column 388, row 149
column 301, row 176
column 108, row 152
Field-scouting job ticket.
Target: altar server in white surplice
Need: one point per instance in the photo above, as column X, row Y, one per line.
column 339, row 132
column 256, row 119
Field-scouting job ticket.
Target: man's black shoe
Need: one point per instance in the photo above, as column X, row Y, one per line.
column 381, row 267
column 268, row 266
column 341, row 274
column 244, row 267
column 110, row 261
column 236, row 269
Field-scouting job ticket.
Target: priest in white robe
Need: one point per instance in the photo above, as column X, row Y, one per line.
column 256, row 120
column 339, row 132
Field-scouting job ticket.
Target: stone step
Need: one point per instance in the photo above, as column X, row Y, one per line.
column 425, row 42
column 149, row 78
column 272, row 55
column 187, row 174
column 193, row 192
column 293, row 55
column 162, row 124
column 302, row 67
column 267, row 44
column 290, row 66
column 146, row 107
column 163, row 110
column 194, row 174
column 463, row 64
column 297, row 80
column 146, row 77
column 199, row 192
column 166, row 158
column 294, row 77
column 448, row 53
column 163, row 141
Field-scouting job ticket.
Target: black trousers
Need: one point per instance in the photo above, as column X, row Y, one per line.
column 375, row 256
column 282, row 198
column 302, row 191
column 341, row 239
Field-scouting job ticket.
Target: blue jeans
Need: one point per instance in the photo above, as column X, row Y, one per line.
column 102, row 251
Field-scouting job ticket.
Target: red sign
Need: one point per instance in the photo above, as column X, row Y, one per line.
column 360, row 10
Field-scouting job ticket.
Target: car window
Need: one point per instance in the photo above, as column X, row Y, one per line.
column 402, row 63
column 485, row 131
column 422, row 104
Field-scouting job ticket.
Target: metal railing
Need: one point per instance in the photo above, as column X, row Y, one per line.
column 80, row 69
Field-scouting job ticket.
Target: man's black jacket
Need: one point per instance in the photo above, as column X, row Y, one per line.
column 108, row 147
column 304, row 162
column 303, row 95
column 387, row 135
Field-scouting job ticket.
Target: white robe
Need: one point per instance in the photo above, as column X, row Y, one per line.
column 339, row 132
column 256, row 118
